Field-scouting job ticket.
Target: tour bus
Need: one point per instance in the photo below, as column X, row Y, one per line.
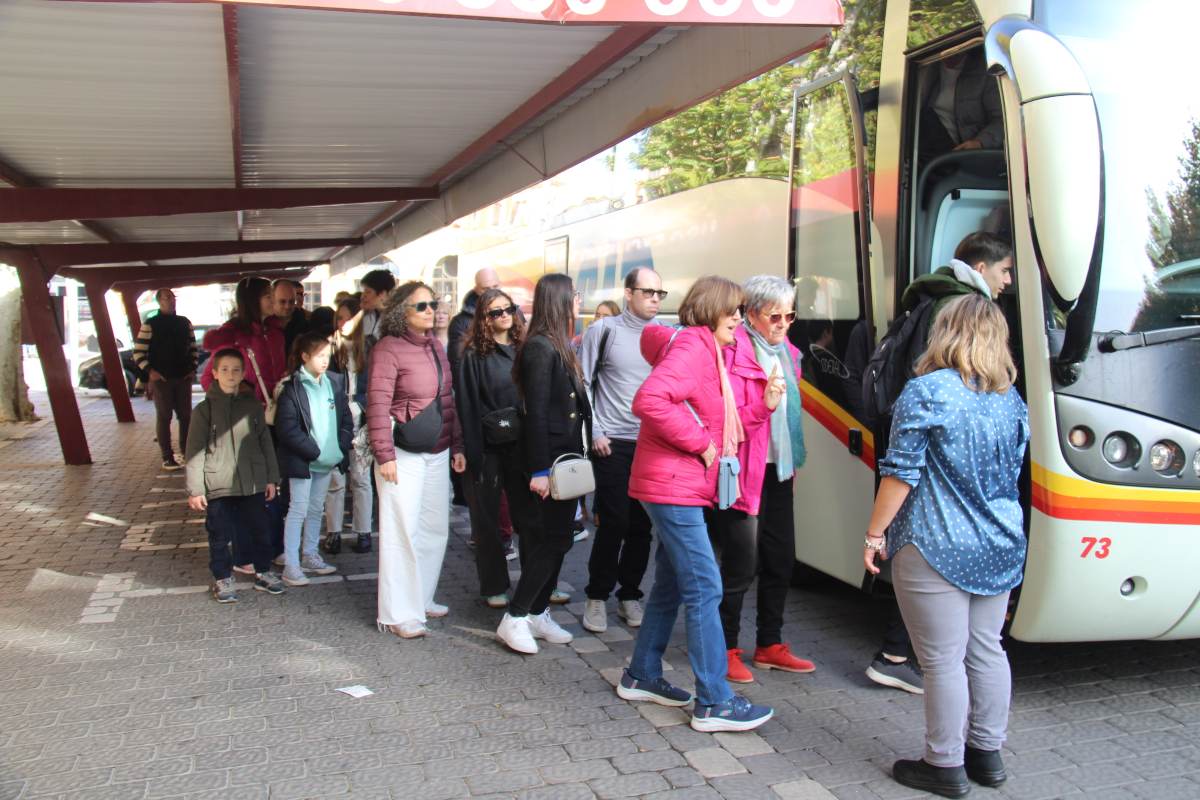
column 1090, row 165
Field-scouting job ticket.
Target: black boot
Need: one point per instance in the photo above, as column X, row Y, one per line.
column 944, row 781
column 363, row 545
column 985, row 767
column 332, row 543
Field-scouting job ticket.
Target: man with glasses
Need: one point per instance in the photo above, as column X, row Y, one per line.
column 613, row 371
column 292, row 320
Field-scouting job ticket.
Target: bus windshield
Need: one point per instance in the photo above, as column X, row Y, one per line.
column 1139, row 58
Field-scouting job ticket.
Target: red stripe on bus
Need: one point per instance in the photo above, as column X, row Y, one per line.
column 1078, row 508
column 835, row 426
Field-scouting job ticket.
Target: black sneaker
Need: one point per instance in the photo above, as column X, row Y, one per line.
column 331, row 544
column 985, row 767
column 268, row 582
column 363, row 545
column 905, row 675
column 171, row 464
column 944, row 781
column 656, row 691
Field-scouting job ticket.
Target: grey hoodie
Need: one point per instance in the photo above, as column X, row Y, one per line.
column 620, row 375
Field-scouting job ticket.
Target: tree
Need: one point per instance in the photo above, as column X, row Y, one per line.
column 14, row 394
column 1177, row 226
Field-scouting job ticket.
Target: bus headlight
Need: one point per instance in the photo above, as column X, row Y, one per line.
column 1166, row 458
column 1121, row 450
column 1081, row 437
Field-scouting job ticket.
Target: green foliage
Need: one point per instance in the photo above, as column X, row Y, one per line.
column 1177, row 227
column 932, row 19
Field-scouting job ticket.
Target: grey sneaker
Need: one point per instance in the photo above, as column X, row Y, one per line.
column 294, row 576
column 631, row 612
column 317, row 565
column 595, row 616
column 223, row 591
column 905, row 675
column 268, row 582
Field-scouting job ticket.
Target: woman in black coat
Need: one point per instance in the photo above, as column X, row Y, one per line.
column 555, row 412
column 487, row 408
column 313, row 432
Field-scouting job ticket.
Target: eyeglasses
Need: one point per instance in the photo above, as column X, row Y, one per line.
column 648, row 293
column 497, row 313
column 775, row 319
column 424, row 304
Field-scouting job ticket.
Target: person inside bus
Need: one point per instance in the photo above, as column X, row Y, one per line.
column 961, row 108
column 948, row 514
column 982, row 266
column 756, row 535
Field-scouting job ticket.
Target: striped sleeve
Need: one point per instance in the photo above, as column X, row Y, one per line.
column 141, row 347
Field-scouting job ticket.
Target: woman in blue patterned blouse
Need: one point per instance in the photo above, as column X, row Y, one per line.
column 948, row 502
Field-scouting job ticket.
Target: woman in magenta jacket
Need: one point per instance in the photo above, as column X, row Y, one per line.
column 757, row 535
column 252, row 331
column 688, row 422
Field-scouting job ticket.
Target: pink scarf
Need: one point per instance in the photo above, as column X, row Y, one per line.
column 733, row 433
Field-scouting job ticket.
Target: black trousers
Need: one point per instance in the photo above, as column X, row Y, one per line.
column 766, row 545
column 173, row 395
column 238, row 519
column 622, row 545
column 501, row 474
column 549, row 537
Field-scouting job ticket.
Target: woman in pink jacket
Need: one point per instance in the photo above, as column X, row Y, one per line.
column 757, row 535
column 252, row 331
column 689, row 422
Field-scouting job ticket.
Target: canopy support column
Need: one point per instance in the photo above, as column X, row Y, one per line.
column 129, row 301
column 35, row 295
column 114, row 371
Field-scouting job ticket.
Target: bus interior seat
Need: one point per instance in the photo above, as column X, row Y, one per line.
column 957, row 193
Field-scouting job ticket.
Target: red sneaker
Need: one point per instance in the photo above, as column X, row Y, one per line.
column 779, row 656
column 737, row 672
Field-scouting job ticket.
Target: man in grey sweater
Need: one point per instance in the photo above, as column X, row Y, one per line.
column 613, row 371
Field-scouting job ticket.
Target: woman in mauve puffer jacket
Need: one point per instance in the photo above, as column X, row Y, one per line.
column 689, row 421
column 414, row 485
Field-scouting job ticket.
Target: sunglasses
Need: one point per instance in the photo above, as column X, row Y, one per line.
column 775, row 319
column 497, row 313
column 648, row 293
column 423, row 305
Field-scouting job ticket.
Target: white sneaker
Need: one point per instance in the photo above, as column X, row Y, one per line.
column 436, row 610
column 595, row 616
column 411, row 629
column 317, row 565
column 294, row 576
column 517, row 633
column 631, row 612
column 544, row 627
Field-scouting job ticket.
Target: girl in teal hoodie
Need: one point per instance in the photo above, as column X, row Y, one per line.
column 313, row 426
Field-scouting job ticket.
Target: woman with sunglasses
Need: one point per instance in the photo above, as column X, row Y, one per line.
column 408, row 396
column 756, row 535
column 555, row 413
column 487, row 407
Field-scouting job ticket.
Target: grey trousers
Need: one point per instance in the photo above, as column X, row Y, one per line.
column 362, row 495
column 956, row 636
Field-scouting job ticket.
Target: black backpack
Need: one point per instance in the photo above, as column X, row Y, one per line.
column 891, row 365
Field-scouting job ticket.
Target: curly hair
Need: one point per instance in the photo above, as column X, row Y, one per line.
column 393, row 322
column 479, row 336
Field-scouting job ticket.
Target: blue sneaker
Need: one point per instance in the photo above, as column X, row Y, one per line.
column 656, row 691
column 738, row 714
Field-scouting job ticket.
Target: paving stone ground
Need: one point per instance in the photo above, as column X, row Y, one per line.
column 120, row 678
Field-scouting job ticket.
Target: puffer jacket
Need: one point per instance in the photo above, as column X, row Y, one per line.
column 229, row 451
column 748, row 382
column 265, row 340
column 402, row 382
column 667, row 465
column 293, row 426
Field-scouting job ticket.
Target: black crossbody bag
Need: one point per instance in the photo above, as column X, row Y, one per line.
column 421, row 433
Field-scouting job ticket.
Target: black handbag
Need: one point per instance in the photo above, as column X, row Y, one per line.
column 421, row 433
column 502, row 426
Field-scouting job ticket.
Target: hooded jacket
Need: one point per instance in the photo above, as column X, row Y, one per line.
column 294, row 426
column 402, row 382
column 667, row 464
column 229, row 450
column 749, row 383
column 943, row 285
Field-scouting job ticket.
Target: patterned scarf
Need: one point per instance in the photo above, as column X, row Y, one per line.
column 787, row 433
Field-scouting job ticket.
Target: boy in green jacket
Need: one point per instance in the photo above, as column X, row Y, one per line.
column 231, row 474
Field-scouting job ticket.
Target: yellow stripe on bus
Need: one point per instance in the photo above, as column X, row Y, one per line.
column 1107, row 492
column 833, row 408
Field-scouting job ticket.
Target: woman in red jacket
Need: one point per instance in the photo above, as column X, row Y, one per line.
column 252, row 331
column 413, row 428
column 689, row 421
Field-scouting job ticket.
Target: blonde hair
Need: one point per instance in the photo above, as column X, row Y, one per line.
column 709, row 299
column 970, row 335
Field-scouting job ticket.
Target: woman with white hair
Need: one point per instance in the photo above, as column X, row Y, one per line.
column 949, row 505
column 757, row 533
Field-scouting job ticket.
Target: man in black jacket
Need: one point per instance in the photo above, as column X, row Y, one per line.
column 166, row 350
column 485, row 279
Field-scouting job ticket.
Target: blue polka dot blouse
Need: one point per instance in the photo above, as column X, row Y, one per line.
column 961, row 451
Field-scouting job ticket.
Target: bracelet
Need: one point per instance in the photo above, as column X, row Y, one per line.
column 875, row 543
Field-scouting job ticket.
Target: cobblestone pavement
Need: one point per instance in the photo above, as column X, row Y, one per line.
column 119, row 678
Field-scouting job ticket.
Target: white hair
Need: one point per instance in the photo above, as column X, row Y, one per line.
column 767, row 290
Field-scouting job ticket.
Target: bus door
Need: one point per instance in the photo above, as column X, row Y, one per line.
column 827, row 260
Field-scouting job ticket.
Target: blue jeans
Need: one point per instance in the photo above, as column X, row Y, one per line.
column 687, row 572
column 302, row 528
